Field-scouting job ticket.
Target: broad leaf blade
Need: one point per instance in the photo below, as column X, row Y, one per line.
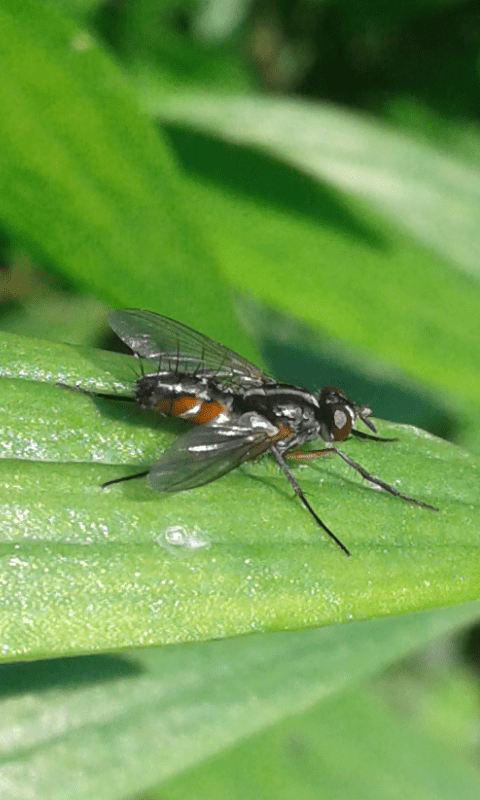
column 112, row 728
column 325, row 257
column 87, row 181
column 402, row 177
column 88, row 568
column 339, row 751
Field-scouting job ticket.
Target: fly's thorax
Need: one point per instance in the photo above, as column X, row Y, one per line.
column 257, row 423
column 283, row 404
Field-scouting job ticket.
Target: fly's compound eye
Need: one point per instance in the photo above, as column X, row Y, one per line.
column 336, row 414
column 341, row 423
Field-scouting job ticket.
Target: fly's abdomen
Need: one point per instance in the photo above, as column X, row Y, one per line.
column 192, row 408
column 176, row 397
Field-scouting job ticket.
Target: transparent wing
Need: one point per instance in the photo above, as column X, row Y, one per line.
column 178, row 348
column 207, row 452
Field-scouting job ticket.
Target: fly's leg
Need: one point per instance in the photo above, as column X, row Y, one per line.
column 125, row 478
column 106, row 396
column 92, row 393
column 363, row 435
column 300, row 455
column 304, row 455
column 388, row 488
column 298, row 491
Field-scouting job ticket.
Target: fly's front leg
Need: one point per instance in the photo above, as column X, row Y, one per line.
column 377, row 482
column 300, row 455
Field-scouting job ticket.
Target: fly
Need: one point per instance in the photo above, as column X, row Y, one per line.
column 240, row 412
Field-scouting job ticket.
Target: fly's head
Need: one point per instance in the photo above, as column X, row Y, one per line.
column 336, row 415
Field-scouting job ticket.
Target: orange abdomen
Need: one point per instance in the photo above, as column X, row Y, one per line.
column 192, row 408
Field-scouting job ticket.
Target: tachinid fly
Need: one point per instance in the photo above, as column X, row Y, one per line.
column 240, row 412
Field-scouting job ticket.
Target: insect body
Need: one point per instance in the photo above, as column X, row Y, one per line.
column 240, row 412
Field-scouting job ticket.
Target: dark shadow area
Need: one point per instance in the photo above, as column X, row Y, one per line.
column 127, row 410
column 135, row 415
column 298, row 355
column 244, row 171
column 430, row 53
column 54, row 673
column 470, row 647
column 387, row 399
column 108, row 340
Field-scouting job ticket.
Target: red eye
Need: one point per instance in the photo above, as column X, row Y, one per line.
column 342, row 423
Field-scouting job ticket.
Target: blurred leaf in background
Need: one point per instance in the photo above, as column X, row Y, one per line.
column 311, row 169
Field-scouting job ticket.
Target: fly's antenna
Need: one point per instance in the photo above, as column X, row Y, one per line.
column 298, row 491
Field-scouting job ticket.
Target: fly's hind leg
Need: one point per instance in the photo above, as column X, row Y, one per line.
column 106, row 396
column 93, row 393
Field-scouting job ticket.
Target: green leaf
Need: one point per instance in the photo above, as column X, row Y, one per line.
column 93, row 569
column 418, row 186
column 322, row 256
column 348, row 748
column 88, row 183
column 113, row 727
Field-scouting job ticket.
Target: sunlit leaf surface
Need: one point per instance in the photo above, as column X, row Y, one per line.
column 91, row 569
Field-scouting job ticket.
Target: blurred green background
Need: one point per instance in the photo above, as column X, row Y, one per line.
column 300, row 181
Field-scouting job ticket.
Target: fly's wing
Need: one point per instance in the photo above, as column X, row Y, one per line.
column 207, row 452
column 177, row 348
